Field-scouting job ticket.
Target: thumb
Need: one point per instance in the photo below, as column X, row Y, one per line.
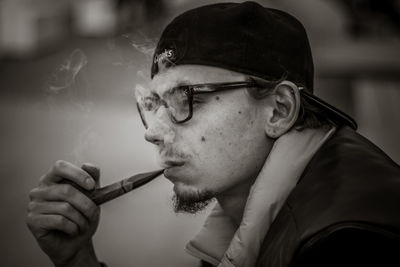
column 93, row 171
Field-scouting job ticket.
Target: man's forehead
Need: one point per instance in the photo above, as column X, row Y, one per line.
column 191, row 74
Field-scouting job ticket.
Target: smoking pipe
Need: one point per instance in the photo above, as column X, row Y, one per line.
column 114, row 190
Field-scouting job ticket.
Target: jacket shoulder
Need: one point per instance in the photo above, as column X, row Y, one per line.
column 349, row 179
column 349, row 186
column 349, row 183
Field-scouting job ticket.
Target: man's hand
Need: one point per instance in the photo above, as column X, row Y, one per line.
column 61, row 218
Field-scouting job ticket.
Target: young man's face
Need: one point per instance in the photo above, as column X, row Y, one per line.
column 222, row 148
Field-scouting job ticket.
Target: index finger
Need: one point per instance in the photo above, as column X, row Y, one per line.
column 65, row 170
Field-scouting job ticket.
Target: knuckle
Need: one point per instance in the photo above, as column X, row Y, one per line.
column 68, row 226
column 61, row 221
column 66, row 207
column 66, row 190
column 89, row 209
column 32, row 206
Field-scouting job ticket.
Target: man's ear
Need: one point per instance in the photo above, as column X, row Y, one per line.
column 283, row 109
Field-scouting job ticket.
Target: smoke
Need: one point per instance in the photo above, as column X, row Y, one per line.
column 63, row 86
column 67, row 91
column 135, row 50
column 65, row 74
column 146, row 45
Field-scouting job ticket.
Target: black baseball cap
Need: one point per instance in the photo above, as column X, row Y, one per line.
column 246, row 38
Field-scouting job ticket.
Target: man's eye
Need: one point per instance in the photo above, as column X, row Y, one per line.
column 150, row 103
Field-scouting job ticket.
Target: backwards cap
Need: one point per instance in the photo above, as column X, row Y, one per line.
column 246, row 38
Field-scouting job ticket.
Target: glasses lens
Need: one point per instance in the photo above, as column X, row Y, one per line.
column 147, row 104
column 178, row 104
column 141, row 113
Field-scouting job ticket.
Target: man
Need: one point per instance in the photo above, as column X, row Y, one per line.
column 231, row 110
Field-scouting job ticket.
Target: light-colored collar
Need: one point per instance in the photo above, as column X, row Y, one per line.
column 223, row 245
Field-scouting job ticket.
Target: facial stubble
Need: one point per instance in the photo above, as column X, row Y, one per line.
column 191, row 202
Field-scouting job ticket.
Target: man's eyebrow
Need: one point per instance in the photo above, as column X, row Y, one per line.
column 181, row 83
column 152, row 92
column 178, row 83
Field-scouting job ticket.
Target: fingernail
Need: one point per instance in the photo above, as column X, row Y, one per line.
column 90, row 183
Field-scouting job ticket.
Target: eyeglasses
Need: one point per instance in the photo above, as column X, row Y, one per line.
column 178, row 101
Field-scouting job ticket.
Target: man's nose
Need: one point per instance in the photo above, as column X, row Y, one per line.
column 153, row 136
column 158, row 128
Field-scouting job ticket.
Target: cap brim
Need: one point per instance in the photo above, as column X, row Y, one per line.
column 331, row 110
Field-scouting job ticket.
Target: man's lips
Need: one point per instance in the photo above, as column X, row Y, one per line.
column 171, row 163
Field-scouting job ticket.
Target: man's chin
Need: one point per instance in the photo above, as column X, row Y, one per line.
column 190, row 201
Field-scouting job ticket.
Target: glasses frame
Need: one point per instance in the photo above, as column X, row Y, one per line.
column 203, row 88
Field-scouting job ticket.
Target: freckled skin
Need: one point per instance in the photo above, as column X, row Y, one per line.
column 236, row 146
column 217, row 97
column 203, row 139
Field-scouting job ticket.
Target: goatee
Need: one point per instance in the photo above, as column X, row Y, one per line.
column 190, row 205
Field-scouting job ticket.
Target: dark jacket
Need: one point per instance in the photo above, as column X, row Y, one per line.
column 344, row 211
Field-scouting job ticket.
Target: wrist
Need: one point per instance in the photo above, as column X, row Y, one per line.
column 86, row 256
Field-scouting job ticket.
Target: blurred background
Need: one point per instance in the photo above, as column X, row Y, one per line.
column 67, row 73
